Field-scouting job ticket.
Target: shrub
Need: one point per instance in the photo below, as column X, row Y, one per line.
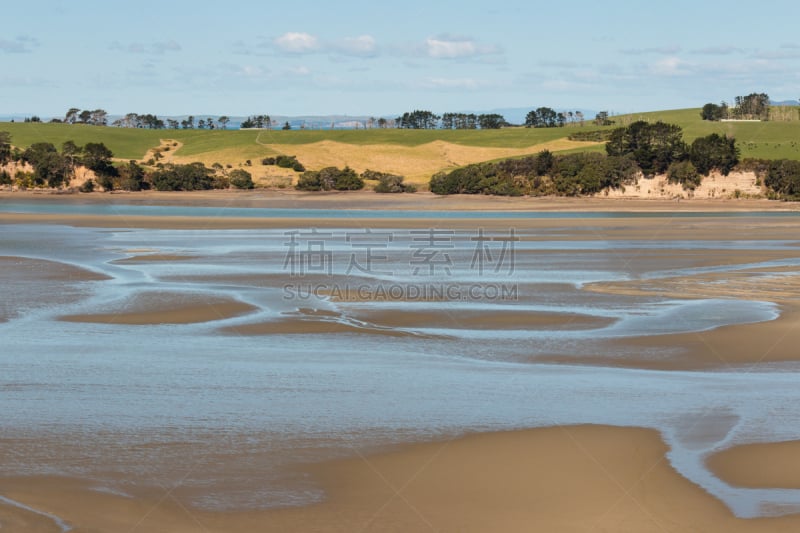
column 268, row 161
column 590, row 136
column 221, row 182
column 5, row 177
column 685, row 173
column 309, row 181
column 241, row 179
column 191, row 177
column 330, row 178
column 783, row 179
column 285, row 161
column 714, row 151
column 88, row 186
column 390, row 183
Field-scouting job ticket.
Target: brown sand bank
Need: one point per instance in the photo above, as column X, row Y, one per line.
column 605, row 229
column 311, row 326
column 28, row 269
column 43, row 283
column 762, row 465
column 167, row 308
column 570, row 479
column 419, row 201
column 488, row 319
column 154, row 258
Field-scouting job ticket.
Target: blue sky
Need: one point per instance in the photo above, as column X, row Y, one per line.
column 356, row 57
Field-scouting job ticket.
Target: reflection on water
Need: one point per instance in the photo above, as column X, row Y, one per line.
column 220, row 402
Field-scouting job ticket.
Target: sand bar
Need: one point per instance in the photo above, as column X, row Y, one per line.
column 369, row 200
column 166, row 308
column 761, row 465
column 494, row 320
column 563, row 479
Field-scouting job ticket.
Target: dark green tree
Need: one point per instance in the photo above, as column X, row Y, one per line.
column 418, row 120
column 5, row 147
column 49, row 167
column 132, row 177
column 241, row 179
column 711, row 112
column 653, row 146
column 491, row 121
column 685, row 173
column 783, row 179
column 714, row 152
column 97, row 158
column 601, row 119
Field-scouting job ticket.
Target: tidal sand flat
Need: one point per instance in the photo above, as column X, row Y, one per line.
column 759, row 465
column 166, row 308
column 403, row 371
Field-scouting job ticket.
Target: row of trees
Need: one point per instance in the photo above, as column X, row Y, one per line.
column 149, row 121
column 330, row 179
column 427, row 120
column 641, row 148
column 471, row 121
column 257, row 121
column 96, row 117
column 656, row 146
column 542, row 174
column 346, row 179
column 754, row 106
column 54, row 168
column 546, row 117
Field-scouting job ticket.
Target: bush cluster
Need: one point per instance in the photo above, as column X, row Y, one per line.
column 284, row 161
column 330, row 179
column 542, row 174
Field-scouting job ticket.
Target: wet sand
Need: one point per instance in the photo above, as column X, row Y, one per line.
column 154, row 258
column 562, row 479
column 556, row 479
column 761, row 465
column 167, row 308
column 369, row 200
column 497, row 320
column 300, row 326
column 43, row 283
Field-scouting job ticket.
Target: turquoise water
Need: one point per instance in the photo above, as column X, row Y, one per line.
column 158, row 403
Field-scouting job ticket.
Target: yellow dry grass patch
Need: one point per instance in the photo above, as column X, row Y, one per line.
column 416, row 163
column 263, row 175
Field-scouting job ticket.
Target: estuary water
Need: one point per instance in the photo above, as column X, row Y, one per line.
column 349, row 339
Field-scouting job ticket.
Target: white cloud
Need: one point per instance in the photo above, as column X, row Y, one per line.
column 297, row 42
column 447, row 47
column 720, row 50
column 23, row 44
column 251, row 71
column 454, row 83
column 166, row 46
column 363, row 46
column 670, row 66
column 156, row 48
column 664, row 50
column 299, row 71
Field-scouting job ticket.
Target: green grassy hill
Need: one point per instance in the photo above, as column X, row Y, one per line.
column 764, row 140
column 767, row 140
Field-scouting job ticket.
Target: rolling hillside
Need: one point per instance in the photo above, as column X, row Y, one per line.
column 414, row 153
